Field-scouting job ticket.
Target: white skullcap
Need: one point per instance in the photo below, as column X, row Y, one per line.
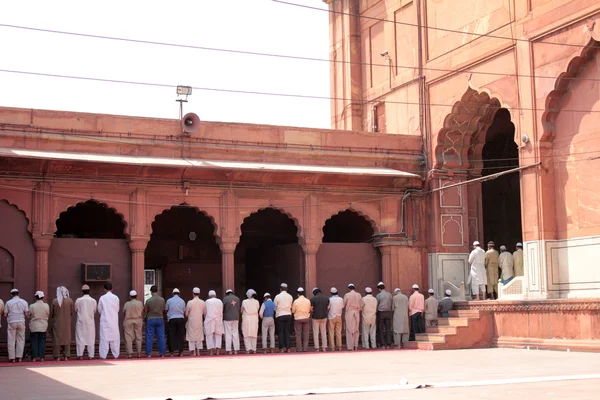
column 39, row 294
column 519, row 244
column 502, row 247
column 133, row 293
column 448, row 292
column 333, row 290
column 430, row 291
column 15, row 290
column 267, row 294
column 212, row 293
column 284, row 285
column 476, row 243
column 250, row 292
column 175, row 290
column 396, row 290
column 228, row 291
column 351, row 285
column 85, row 287
column 415, row 286
column 368, row 290
column 300, row 289
column 380, row 284
column 314, row 289
column 196, row 290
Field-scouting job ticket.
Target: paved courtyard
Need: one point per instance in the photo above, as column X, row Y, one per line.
column 486, row 374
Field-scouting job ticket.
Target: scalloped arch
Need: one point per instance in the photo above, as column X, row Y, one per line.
column 355, row 210
column 460, row 141
column 100, row 203
column 562, row 86
column 281, row 210
column 21, row 211
column 198, row 210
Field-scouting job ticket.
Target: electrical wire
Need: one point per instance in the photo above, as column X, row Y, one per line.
column 274, row 55
column 271, row 94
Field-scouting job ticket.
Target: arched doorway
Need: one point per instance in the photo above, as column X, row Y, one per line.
column 346, row 255
column 90, row 233
column 501, row 197
column 183, row 251
column 268, row 253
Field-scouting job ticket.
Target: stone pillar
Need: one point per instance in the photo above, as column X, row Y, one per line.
column 41, row 245
column 310, row 265
column 228, row 265
column 138, row 248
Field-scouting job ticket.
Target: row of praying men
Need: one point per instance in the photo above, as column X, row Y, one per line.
column 489, row 268
column 384, row 314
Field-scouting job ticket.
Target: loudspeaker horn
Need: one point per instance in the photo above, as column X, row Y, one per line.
column 190, row 123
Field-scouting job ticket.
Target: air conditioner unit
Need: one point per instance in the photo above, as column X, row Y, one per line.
column 96, row 272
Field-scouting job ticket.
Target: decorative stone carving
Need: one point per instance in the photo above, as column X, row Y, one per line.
column 541, row 306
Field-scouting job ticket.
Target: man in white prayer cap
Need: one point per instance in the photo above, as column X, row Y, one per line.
column 39, row 313
column 175, row 308
column 60, row 315
column 250, row 307
column 385, row 314
column 518, row 260
column 506, row 265
column 110, row 337
column 477, row 274
column 267, row 313
column 133, row 320
column 301, row 311
column 231, row 321
column 416, row 307
column 213, row 323
column 431, row 309
column 195, row 312
column 85, row 327
column 400, row 325
column 446, row 304
column 352, row 305
column 283, row 317
column 16, row 311
column 369, row 319
column 334, row 317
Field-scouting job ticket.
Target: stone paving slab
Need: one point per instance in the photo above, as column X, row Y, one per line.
column 197, row 378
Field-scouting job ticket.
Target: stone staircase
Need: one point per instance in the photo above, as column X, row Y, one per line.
column 464, row 329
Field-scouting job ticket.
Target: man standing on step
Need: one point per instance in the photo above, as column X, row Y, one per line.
column 352, row 305
column 431, row 309
column 416, row 306
column 446, row 304
column 491, row 267
column 506, row 264
column 477, row 276
column 231, row 321
column 401, row 325
column 283, row 317
column 385, row 314
column 319, row 306
column 518, row 260
column 85, row 327
column 334, row 317
column 175, row 308
column 369, row 319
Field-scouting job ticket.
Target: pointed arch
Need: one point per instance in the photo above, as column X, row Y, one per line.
column 562, row 86
column 68, row 223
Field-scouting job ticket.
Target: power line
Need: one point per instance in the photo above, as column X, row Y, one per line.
column 488, row 35
column 272, row 94
column 284, row 56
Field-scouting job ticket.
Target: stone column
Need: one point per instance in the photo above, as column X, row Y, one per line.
column 310, row 265
column 228, row 265
column 41, row 245
column 138, row 245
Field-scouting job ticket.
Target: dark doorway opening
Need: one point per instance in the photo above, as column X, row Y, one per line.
column 346, row 255
column 90, row 220
column 268, row 253
column 184, row 252
column 501, row 197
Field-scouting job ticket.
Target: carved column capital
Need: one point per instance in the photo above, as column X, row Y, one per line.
column 228, row 245
column 138, row 244
column 42, row 242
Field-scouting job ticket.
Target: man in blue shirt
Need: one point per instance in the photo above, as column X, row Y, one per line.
column 175, row 308
column 267, row 313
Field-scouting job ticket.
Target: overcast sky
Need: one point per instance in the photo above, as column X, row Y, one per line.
column 250, row 25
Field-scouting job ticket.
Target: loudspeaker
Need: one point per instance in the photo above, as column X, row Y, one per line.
column 190, row 123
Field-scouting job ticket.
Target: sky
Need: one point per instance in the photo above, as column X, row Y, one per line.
column 249, row 25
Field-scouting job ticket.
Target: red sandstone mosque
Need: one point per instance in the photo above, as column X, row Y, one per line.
column 427, row 95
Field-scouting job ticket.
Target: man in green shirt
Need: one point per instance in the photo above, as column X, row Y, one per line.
column 154, row 310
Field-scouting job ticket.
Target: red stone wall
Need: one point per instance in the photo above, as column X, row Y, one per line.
column 339, row 264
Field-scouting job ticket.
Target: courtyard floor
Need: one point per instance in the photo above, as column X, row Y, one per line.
column 392, row 374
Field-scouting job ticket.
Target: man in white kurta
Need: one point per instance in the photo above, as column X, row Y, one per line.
column 213, row 323
column 108, row 307
column 85, row 328
column 506, row 265
column 194, row 332
column 518, row 260
column 477, row 275
column 250, row 308
column 352, row 301
column 368, row 306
